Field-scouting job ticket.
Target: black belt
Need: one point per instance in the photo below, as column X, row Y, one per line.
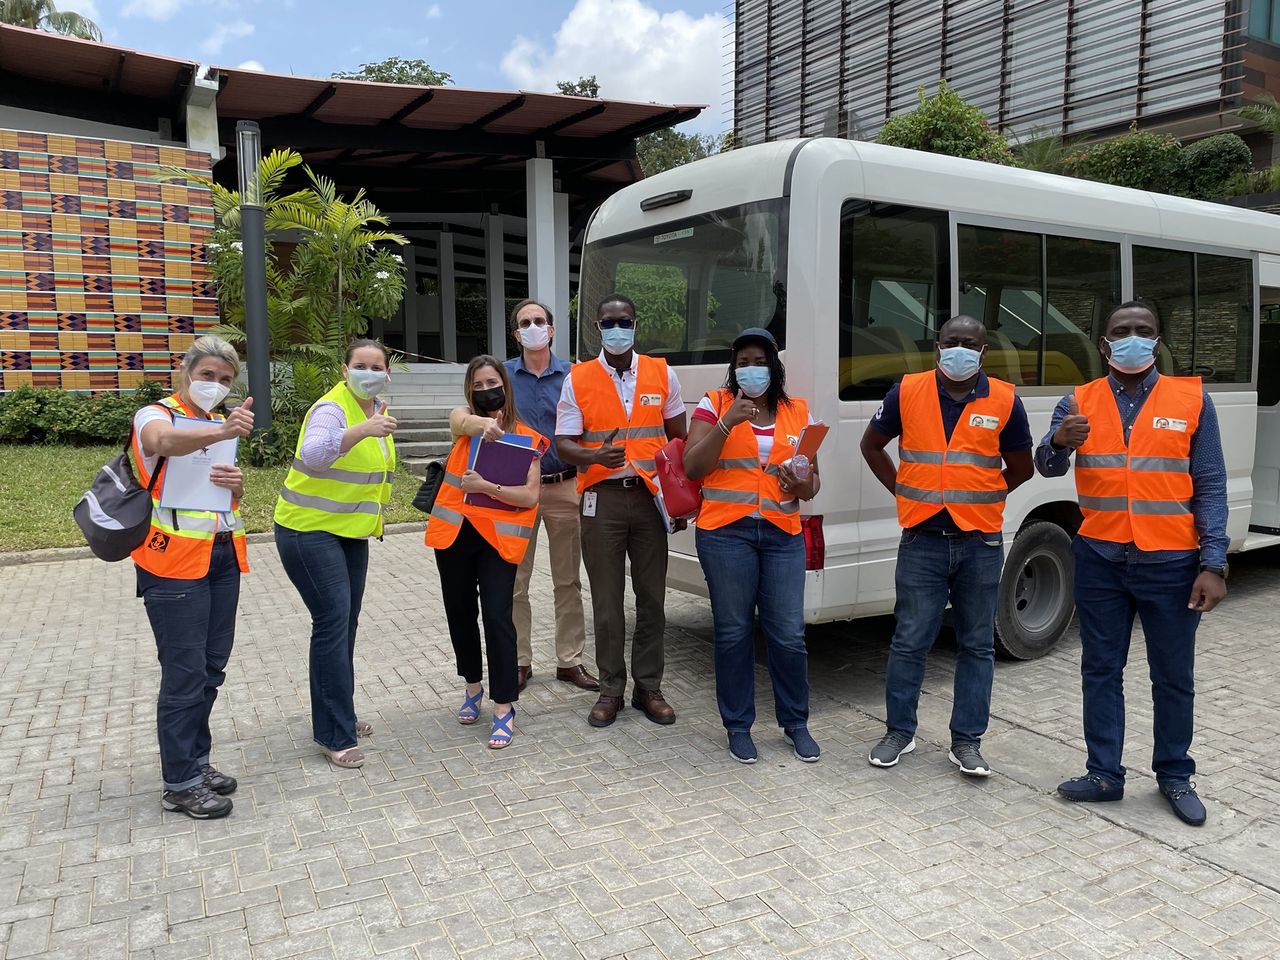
column 223, row 536
column 626, row 483
column 937, row 532
column 566, row 474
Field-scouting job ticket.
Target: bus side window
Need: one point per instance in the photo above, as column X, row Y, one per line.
column 1269, row 350
column 893, row 289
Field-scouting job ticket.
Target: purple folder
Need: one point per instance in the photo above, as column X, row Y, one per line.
column 504, row 463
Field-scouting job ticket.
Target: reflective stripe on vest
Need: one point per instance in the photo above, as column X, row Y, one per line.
column 1139, row 494
column 962, row 474
column 180, row 542
column 738, row 486
column 641, row 435
column 508, row 531
column 346, row 498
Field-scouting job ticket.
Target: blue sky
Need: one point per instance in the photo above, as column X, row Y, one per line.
column 660, row 50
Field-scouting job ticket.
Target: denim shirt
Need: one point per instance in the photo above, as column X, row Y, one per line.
column 1208, row 478
column 536, row 399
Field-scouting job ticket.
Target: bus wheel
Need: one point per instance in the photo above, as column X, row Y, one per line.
column 1035, row 604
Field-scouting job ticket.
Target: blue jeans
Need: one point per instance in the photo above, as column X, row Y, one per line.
column 1108, row 595
column 329, row 572
column 194, row 622
column 933, row 569
column 750, row 565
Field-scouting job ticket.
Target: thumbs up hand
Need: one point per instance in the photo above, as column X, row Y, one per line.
column 610, row 456
column 1073, row 431
column 239, row 422
column 741, row 410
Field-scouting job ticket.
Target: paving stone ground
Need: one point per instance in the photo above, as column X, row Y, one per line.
column 636, row 841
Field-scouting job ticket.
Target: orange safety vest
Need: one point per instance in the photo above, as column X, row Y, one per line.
column 963, row 475
column 1139, row 494
column 180, row 542
column 641, row 436
column 508, row 531
column 738, row 486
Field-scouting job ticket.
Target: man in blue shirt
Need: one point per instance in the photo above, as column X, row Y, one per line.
column 537, row 376
column 1167, row 589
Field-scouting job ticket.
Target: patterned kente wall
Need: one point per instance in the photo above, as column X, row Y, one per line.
column 103, row 277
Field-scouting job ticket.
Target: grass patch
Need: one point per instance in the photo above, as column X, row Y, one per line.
column 40, row 485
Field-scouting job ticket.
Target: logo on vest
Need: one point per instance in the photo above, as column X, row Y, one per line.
column 984, row 423
column 650, row 399
column 1169, row 423
column 159, row 543
column 793, row 440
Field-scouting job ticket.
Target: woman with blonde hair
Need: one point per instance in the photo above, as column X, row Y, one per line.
column 479, row 548
column 189, row 575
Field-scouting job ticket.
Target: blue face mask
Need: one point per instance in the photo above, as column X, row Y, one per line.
column 753, row 381
column 1132, row 354
column 618, row 340
column 959, row 363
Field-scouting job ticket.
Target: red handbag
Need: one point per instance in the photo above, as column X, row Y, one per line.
column 682, row 496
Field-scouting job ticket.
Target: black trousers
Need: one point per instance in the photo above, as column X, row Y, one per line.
column 469, row 569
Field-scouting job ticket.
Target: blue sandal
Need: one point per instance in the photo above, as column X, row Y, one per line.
column 469, row 712
column 503, row 729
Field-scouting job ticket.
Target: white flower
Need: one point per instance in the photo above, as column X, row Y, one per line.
column 398, row 258
column 237, row 245
column 382, row 275
column 214, row 246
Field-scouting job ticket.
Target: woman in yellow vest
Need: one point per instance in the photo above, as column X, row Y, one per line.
column 330, row 505
column 189, row 576
column 741, row 439
column 479, row 548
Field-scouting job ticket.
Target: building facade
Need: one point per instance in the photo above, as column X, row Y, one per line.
column 1082, row 67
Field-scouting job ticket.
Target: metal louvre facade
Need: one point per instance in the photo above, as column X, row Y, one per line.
column 842, row 67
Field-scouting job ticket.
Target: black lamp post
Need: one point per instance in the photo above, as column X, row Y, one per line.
column 253, row 240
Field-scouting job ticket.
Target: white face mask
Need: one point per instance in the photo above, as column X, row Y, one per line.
column 367, row 384
column 206, row 394
column 534, row 337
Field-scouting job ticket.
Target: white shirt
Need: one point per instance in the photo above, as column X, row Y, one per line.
column 764, row 435
column 569, row 415
column 150, row 414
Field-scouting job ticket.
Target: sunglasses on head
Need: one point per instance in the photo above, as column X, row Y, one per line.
column 526, row 323
column 608, row 323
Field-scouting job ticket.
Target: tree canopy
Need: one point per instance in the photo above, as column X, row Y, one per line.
column 398, row 70
column 44, row 15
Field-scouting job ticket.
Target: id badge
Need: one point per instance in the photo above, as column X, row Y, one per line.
column 589, row 503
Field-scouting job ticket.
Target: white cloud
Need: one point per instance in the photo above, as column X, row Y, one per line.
column 223, row 33
column 87, row 8
column 434, row 12
column 636, row 53
column 252, row 65
column 152, row 9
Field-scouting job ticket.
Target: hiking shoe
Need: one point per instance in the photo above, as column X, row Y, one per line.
column 1090, row 788
column 217, row 781
column 890, row 748
column 1186, row 805
column 742, row 748
column 198, row 803
column 806, row 747
column 969, row 760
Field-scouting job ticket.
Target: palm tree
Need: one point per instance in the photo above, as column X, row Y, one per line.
column 1265, row 112
column 1046, row 150
column 43, row 15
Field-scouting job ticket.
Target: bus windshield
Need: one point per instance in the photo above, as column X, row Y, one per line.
column 696, row 282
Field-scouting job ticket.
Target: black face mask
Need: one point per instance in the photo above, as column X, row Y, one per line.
column 488, row 401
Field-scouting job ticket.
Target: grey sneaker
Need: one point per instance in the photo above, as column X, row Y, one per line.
column 890, row 748
column 967, row 757
column 198, row 803
column 217, row 781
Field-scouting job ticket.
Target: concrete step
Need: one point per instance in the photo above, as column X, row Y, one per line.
column 417, row 449
column 418, row 465
column 420, row 413
column 422, row 433
column 448, row 400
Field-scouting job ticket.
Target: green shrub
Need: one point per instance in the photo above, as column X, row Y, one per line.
column 47, row 415
column 19, row 412
column 1207, row 166
column 272, row 449
column 947, row 124
column 1254, row 181
column 1144, row 161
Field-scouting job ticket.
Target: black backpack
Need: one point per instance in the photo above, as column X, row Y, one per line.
column 115, row 513
column 425, row 498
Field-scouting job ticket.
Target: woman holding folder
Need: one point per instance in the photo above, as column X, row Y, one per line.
column 189, row 572
column 480, row 528
column 330, row 505
column 741, row 442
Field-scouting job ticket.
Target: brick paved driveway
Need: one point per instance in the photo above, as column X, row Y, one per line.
column 638, row 841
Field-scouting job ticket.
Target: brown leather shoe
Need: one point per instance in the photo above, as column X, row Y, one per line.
column 578, row 676
column 654, row 705
column 605, row 711
column 522, row 675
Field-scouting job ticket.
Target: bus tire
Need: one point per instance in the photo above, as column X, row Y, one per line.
column 1036, row 599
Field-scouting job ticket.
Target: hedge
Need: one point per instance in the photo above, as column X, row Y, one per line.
column 48, row 415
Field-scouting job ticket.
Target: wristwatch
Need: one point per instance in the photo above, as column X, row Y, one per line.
column 1221, row 571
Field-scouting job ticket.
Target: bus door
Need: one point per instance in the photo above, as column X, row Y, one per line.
column 1265, row 516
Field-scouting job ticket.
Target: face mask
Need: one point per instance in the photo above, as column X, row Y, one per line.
column 959, row 363
column 618, row 340
column 1132, row 354
column 534, row 337
column 487, row 401
column 367, row 384
column 206, row 394
column 753, row 381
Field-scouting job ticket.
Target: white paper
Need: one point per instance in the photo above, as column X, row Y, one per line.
column 186, row 479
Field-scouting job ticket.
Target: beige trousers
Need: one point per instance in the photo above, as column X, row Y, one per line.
column 558, row 511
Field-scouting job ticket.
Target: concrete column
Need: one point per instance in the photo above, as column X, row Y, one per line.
column 201, row 106
column 495, row 281
column 560, row 308
column 411, row 302
column 541, row 217
column 448, row 301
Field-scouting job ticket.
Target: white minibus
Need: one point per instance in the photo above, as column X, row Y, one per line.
column 853, row 254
